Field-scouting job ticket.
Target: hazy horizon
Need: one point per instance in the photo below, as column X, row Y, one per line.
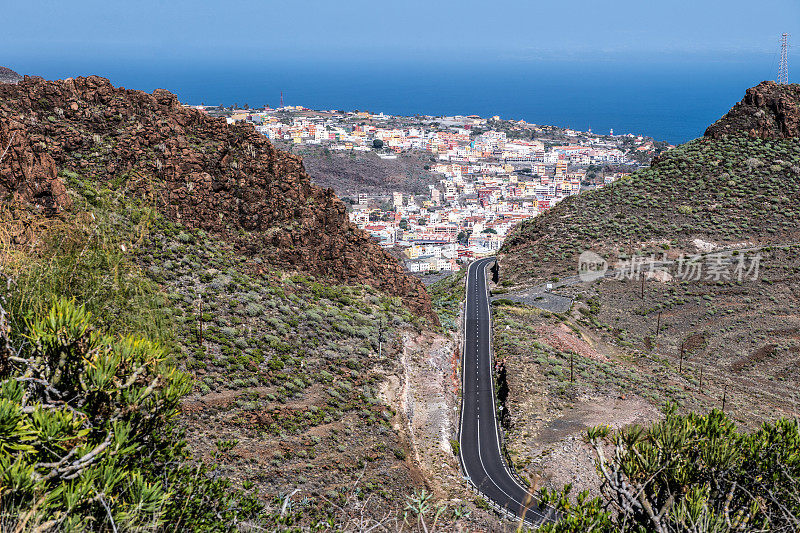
column 672, row 101
column 665, row 70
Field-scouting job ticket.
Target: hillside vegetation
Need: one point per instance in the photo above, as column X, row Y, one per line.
column 730, row 191
column 281, row 370
column 707, row 320
column 735, row 194
column 704, row 210
column 689, row 473
column 177, row 351
column 89, row 436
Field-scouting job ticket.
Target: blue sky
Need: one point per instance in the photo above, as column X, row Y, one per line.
column 411, row 30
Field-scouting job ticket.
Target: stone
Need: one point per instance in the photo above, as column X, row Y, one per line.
column 768, row 111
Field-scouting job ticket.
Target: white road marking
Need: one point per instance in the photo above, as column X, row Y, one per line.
column 474, row 266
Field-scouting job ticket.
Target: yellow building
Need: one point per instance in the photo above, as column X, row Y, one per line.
column 561, row 170
column 412, row 252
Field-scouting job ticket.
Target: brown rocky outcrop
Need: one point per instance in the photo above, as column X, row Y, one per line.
column 26, row 169
column 768, row 111
column 198, row 171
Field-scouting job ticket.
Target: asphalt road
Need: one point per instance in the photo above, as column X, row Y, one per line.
column 479, row 436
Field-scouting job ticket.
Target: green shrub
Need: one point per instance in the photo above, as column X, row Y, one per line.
column 254, row 309
column 455, row 447
column 88, row 436
column 90, row 266
column 689, row 473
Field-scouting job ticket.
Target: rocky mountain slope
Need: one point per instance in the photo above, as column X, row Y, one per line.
column 200, row 172
column 352, row 173
column 335, row 397
column 714, row 321
column 9, row 76
column 769, row 111
column 321, row 398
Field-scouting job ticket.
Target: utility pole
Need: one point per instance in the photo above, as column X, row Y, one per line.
column 571, row 367
column 724, row 397
column 200, row 329
column 281, row 98
column 783, row 68
column 380, row 338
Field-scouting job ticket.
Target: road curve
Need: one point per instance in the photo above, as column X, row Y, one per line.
column 479, row 437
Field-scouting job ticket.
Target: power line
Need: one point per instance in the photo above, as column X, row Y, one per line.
column 783, row 68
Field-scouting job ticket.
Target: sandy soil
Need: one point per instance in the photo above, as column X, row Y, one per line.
column 553, row 449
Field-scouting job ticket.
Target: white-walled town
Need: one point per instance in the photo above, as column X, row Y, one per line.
column 490, row 174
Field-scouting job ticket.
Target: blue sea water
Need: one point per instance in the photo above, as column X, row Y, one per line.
column 672, row 101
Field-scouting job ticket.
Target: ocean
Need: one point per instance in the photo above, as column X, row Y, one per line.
column 671, row 101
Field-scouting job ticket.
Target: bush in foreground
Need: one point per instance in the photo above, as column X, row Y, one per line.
column 87, row 434
column 690, row 473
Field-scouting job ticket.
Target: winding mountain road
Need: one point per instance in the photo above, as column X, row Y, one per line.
column 479, row 436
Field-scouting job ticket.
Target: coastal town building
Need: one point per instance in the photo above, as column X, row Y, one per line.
column 488, row 181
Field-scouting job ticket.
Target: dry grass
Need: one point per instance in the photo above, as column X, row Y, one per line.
column 78, row 255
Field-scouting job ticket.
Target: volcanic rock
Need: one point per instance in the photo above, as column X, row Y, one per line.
column 198, row 171
column 768, row 111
